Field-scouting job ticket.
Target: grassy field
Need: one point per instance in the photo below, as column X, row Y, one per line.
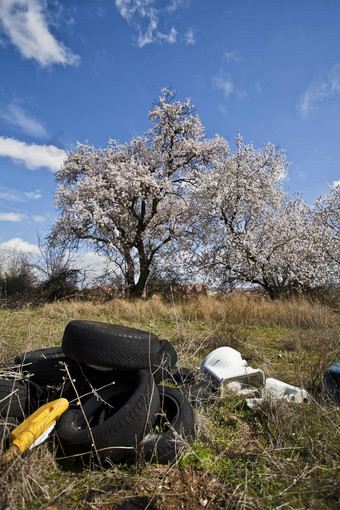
column 279, row 456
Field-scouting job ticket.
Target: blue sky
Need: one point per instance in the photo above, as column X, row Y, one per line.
column 91, row 69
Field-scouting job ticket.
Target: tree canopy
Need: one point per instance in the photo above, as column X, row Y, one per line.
column 253, row 232
column 173, row 190
column 130, row 200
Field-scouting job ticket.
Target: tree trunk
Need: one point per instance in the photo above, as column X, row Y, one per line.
column 138, row 288
column 129, row 273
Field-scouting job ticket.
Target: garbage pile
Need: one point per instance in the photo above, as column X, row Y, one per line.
column 106, row 391
column 226, row 366
column 231, row 373
column 118, row 405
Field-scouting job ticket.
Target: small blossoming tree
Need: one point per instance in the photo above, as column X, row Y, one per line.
column 252, row 231
column 130, row 200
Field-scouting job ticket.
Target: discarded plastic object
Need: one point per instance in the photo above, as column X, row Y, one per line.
column 331, row 382
column 279, row 390
column 249, row 383
column 223, row 363
column 35, row 428
column 226, row 366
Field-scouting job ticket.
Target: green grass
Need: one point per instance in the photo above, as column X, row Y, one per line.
column 279, row 456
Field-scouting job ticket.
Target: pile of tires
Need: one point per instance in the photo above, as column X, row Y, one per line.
column 115, row 379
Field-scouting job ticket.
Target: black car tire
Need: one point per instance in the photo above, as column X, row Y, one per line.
column 177, row 420
column 118, row 419
column 167, row 359
column 54, row 371
column 183, row 376
column 19, row 398
column 110, row 345
column 38, row 354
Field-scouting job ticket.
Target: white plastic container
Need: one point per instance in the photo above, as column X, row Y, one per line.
column 223, row 363
column 226, row 366
column 279, row 390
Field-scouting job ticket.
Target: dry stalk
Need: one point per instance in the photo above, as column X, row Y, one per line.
column 84, row 415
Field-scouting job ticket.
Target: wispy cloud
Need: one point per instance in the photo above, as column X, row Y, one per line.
column 144, row 17
column 336, row 183
column 12, row 216
column 33, row 156
column 189, row 37
column 19, row 117
column 174, row 4
column 319, row 92
column 33, row 195
column 26, row 24
column 39, row 218
column 170, row 37
column 224, row 82
column 11, row 195
column 17, row 244
column 233, row 56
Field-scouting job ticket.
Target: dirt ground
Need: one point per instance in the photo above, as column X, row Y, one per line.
column 177, row 490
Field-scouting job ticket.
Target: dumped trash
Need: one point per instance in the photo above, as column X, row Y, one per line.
column 105, row 388
column 226, row 366
column 331, row 382
column 115, row 404
column 35, row 429
column 279, row 390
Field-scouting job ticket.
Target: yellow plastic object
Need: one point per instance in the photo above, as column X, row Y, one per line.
column 23, row 436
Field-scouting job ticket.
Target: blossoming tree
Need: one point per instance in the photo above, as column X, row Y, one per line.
column 327, row 218
column 252, row 231
column 172, row 191
column 129, row 200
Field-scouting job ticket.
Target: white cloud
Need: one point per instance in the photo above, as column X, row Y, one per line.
column 19, row 117
column 39, row 219
column 91, row 264
column 336, row 183
column 258, row 87
column 170, row 37
column 26, row 24
column 33, row 194
column 144, row 17
column 224, row 83
column 12, row 195
column 90, row 260
column 313, row 97
column 319, row 92
column 12, row 216
column 33, row 156
column 19, row 245
column 233, row 56
column 174, row 4
column 189, row 37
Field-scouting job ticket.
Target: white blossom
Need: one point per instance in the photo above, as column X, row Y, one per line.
column 130, row 199
column 251, row 230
